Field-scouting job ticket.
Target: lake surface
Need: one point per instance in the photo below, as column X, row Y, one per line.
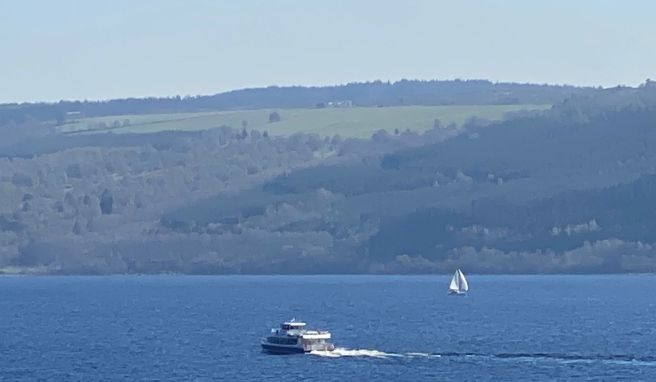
column 404, row 328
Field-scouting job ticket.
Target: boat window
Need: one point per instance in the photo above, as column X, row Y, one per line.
column 282, row 341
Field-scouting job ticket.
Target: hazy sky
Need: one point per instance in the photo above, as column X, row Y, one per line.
column 107, row 49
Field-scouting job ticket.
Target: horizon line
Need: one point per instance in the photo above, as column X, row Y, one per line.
column 309, row 86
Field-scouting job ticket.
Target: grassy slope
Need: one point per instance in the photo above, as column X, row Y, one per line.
column 349, row 122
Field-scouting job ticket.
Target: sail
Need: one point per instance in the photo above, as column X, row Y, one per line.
column 464, row 287
column 454, row 286
column 458, row 283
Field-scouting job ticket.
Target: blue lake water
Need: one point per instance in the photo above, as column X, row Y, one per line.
column 405, row 328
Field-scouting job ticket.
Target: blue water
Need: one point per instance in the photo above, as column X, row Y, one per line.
column 387, row 328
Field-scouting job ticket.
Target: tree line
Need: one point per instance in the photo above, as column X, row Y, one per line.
column 376, row 93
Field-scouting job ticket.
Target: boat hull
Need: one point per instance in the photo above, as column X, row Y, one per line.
column 275, row 349
column 455, row 293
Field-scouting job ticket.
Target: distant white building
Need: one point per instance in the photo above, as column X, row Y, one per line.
column 344, row 103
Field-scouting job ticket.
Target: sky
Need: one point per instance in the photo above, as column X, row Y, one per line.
column 69, row 49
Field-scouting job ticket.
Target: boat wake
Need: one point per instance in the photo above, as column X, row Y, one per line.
column 371, row 353
column 556, row 357
column 580, row 358
column 344, row 352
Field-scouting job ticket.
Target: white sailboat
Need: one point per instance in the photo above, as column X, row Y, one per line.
column 458, row 283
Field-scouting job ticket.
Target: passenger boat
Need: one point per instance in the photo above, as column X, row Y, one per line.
column 293, row 337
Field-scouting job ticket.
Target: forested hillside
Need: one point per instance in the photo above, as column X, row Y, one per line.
column 569, row 189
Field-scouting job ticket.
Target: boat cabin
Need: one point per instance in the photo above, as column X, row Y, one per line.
column 292, row 325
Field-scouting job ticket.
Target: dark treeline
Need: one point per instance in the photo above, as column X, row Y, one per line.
column 405, row 92
column 52, row 143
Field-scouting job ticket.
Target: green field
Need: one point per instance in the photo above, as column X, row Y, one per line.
column 359, row 122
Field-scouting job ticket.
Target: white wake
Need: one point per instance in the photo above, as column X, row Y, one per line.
column 344, row 352
column 647, row 360
column 422, row 355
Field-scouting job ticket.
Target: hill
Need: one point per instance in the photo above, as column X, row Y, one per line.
column 401, row 93
column 358, row 122
column 567, row 189
column 564, row 191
